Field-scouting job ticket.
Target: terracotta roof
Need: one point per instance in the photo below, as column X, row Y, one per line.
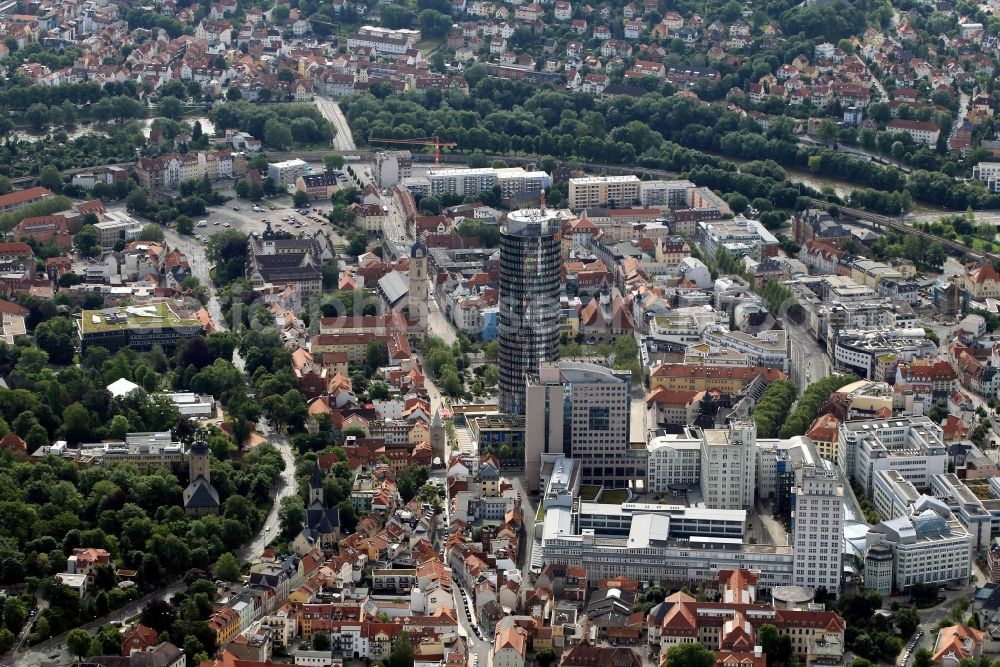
column 21, row 196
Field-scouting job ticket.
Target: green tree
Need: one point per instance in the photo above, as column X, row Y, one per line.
column 227, row 567
column 78, row 642
column 321, row 641
column 300, row 199
column 118, row 427
column 545, row 657
column 277, row 135
column 376, row 356
column 14, row 614
column 86, row 241
column 923, row 658
column 137, row 200
column 50, row 178
column 7, row 640
column 827, row 131
column 333, row 161
column 689, row 655
column 77, row 425
column 291, row 515
column 401, row 654
column 37, row 116
column 151, row 233
column 185, row 225
column 170, row 107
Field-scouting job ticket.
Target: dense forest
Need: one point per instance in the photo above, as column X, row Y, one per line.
column 656, row 131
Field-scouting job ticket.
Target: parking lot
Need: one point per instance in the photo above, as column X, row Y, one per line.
column 239, row 214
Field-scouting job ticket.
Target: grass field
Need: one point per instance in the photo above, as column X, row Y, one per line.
column 613, row 496
column 159, row 314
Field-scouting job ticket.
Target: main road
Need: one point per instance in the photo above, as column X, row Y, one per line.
column 286, row 484
column 344, row 140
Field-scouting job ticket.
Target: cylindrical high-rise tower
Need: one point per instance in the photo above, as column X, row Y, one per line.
column 528, row 322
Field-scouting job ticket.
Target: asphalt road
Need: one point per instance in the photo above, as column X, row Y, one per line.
column 809, row 361
column 344, row 140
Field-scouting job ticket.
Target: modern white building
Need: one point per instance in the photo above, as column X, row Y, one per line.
column 988, row 173
column 966, row 506
column 892, row 495
column 729, row 466
column 472, row 181
column 769, row 348
column 674, row 461
column 391, row 166
column 285, row 173
column 117, row 226
column 739, row 236
column 910, row 445
column 817, row 528
column 929, row 545
column 672, row 194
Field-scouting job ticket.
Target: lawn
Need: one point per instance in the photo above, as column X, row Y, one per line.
column 613, row 496
column 588, row 493
column 152, row 315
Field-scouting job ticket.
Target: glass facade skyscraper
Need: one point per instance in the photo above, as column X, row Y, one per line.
column 528, row 318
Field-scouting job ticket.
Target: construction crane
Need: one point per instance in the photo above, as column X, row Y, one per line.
column 427, row 141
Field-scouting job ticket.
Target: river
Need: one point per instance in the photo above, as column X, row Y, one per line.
column 80, row 130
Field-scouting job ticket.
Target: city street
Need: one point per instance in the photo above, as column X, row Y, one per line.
column 809, row 361
column 344, row 141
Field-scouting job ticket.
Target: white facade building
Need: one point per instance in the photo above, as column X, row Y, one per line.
column 286, row 172
column 988, row 173
column 910, row 445
column 674, row 461
column 929, row 545
column 817, row 528
column 729, row 466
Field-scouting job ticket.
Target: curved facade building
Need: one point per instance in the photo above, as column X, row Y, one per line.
column 528, row 318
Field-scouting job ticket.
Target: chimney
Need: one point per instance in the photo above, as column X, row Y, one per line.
column 757, row 651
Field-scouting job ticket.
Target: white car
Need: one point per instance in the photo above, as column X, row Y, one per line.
column 203, row 223
column 225, row 224
column 258, row 209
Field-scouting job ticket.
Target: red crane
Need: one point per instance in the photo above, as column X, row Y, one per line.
column 427, row 141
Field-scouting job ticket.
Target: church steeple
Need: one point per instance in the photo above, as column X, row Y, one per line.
column 316, row 485
column 199, row 460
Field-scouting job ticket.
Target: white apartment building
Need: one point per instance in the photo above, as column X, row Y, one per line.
column 929, row 545
column 673, row 461
column 769, row 349
column 729, row 466
column 672, row 194
column 603, row 191
column 739, row 236
column 922, row 132
column 391, row 166
column 470, row 181
column 117, row 226
column 988, row 173
column 287, row 172
column 910, row 445
column 650, row 549
column 817, row 528
column 892, row 495
column 966, row 506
